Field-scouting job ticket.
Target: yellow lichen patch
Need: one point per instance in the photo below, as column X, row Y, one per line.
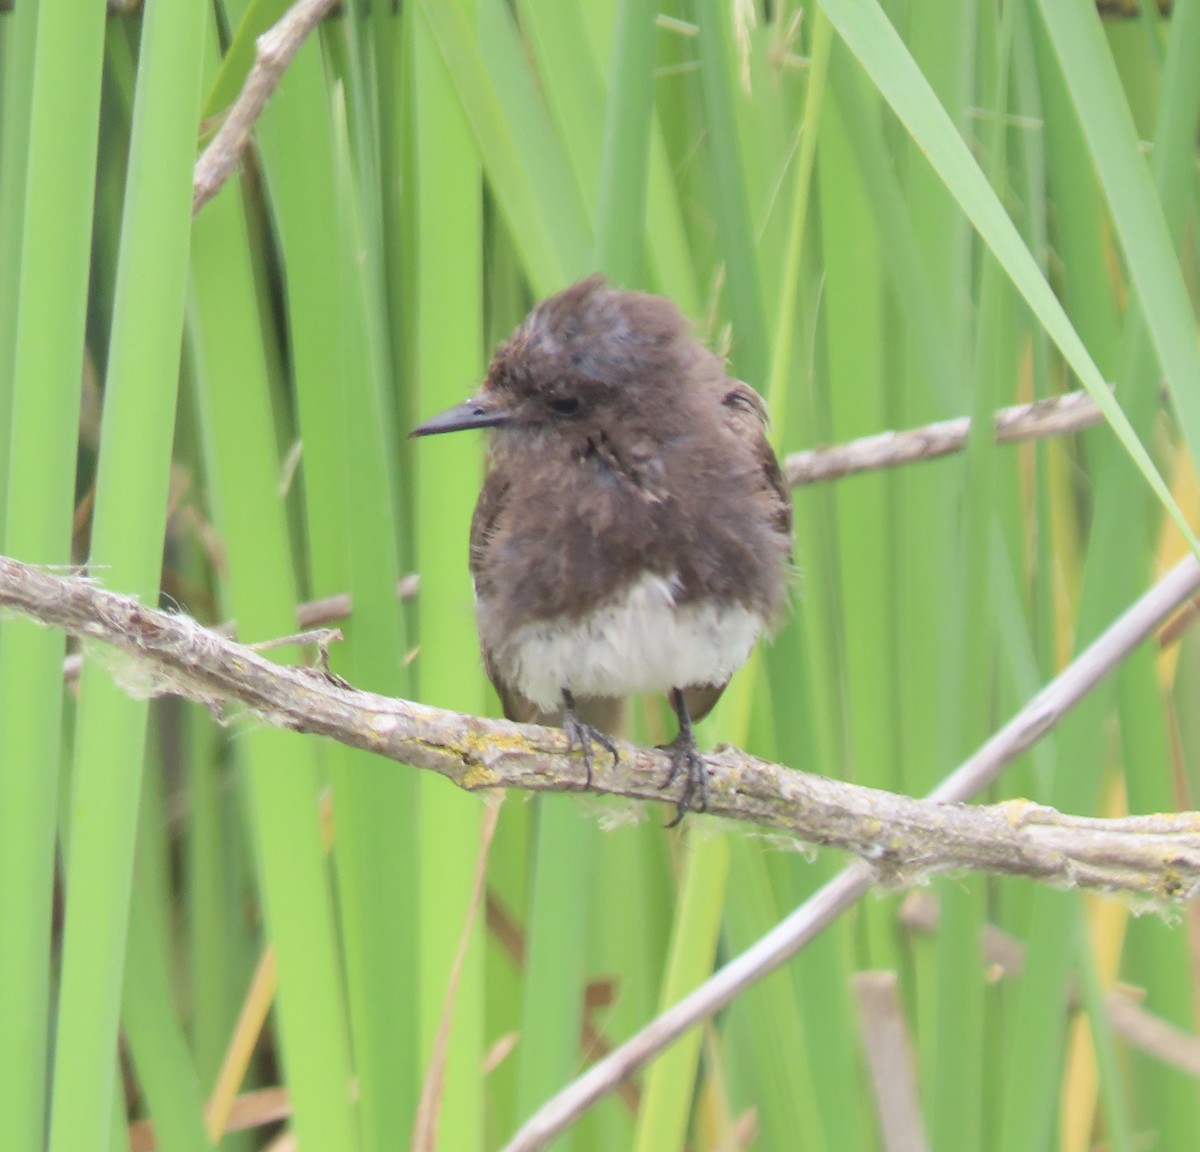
column 1016, row 810
column 873, row 828
column 477, row 776
column 478, row 746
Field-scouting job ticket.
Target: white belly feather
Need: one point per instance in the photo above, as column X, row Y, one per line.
column 640, row 643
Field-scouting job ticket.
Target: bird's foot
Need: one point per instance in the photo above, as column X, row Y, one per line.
column 685, row 758
column 582, row 735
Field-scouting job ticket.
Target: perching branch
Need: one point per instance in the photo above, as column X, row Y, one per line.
column 904, row 840
column 899, row 839
column 273, row 52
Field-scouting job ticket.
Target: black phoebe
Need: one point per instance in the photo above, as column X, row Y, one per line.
column 633, row 533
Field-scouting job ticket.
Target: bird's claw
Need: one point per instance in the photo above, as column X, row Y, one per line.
column 582, row 736
column 684, row 756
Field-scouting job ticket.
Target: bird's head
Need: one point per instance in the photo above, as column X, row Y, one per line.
column 592, row 354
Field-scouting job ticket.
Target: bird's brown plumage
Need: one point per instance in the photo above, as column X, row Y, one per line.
column 630, row 450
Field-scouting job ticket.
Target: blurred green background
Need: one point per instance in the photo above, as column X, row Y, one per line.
column 884, row 216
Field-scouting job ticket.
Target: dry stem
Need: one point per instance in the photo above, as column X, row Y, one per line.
column 274, row 50
column 1057, row 416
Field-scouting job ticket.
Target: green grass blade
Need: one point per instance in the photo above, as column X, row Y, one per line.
column 49, row 330
column 625, row 156
column 1155, row 957
column 663, row 1120
column 556, row 933
column 239, row 439
column 518, row 148
column 867, row 32
column 448, row 354
column 784, row 340
column 1104, row 115
column 770, row 1052
column 16, row 68
column 140, row 392
column 374, row 803
column 734, row 225
column 161, row 1057
column 570, row 75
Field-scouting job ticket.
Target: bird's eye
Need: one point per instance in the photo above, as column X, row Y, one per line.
column 565, row 405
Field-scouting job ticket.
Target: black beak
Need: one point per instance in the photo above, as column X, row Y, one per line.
column 482, row 411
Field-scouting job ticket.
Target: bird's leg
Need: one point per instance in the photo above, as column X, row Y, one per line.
column 683, row 755
column 582, row 736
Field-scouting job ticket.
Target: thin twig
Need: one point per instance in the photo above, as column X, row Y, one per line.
column 888, row 1049
column 310, row 614
column 273, row 52
column 1057, row 416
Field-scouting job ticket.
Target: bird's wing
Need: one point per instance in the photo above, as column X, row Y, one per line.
column 746, row 413
column 493, row 499
column 746, row 416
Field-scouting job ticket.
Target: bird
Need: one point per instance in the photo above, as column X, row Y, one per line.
column 633, row 532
